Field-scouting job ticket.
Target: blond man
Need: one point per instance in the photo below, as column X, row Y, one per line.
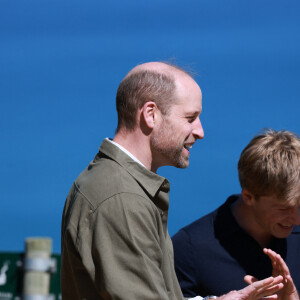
column 214, row 253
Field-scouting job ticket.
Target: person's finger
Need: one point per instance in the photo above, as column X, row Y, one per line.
column 250, row 279
column 266, row 287
column 270, row 297
column 280, row 263
column 270, row 292
column 274, row 257
column 270, row 254
column 283, row 265
column 268, row 282
column 290, row 286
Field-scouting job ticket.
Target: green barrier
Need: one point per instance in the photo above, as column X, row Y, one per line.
column 12, row 276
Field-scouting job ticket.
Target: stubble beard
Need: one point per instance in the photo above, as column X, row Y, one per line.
column 165, row 143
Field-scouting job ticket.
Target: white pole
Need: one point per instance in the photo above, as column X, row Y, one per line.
column 36, row 283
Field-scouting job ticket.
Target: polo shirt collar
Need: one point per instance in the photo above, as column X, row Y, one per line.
column 225, row 221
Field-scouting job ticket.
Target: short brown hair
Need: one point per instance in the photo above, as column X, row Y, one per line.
column 270, row 165
column 138, row 88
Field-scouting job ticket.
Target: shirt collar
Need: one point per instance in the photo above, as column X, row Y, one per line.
column 151, row 182
column 123, row 149
column 225, row 222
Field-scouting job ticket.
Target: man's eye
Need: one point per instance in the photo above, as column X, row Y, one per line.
column 191, row 119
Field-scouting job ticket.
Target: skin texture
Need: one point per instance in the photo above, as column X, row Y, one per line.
column 266, row 288
column 178, row 131
column 265, row 217
column 162, row 140
column 288, row 292
column 274, row 217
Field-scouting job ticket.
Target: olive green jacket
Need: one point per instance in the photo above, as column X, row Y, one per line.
column 115, row 242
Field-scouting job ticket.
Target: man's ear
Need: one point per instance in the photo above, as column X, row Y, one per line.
column 248, row 197
column 149, row 112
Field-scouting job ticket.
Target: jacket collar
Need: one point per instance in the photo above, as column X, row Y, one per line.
column 149, row 180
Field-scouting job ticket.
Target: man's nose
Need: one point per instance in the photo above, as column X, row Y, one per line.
column 198, row 131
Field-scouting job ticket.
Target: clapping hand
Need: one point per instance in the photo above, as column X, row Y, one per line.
column 289, row 291
column 266, row 289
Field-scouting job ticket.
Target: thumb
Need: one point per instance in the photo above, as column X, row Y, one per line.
column 250, row 279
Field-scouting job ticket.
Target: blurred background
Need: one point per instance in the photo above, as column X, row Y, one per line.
column 61, row 62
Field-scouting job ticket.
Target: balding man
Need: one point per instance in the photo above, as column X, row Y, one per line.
column 115, row 243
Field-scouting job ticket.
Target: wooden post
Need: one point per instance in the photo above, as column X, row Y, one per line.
column 37, row 277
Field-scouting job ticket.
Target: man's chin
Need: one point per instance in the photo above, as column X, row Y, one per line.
column 183, row 164
column 283, row 232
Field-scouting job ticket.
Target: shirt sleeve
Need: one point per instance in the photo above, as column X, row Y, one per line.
column 126, row 249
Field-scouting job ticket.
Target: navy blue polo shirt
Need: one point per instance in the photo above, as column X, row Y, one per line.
column 213, row 254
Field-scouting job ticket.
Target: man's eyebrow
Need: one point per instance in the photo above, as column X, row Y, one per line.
column 194, row 113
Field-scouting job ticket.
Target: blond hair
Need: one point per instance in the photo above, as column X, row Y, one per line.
column 270, row 165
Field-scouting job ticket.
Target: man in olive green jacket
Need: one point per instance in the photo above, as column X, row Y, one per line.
column 115, row 243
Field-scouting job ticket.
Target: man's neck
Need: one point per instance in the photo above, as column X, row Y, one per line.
column 125, row 150
column 137, row 145
column 245, row 219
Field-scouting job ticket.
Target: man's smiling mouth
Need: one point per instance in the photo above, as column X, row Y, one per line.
column 188, row 146
column 286, row 226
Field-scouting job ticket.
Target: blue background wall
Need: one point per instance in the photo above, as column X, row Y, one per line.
column 61, row 62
